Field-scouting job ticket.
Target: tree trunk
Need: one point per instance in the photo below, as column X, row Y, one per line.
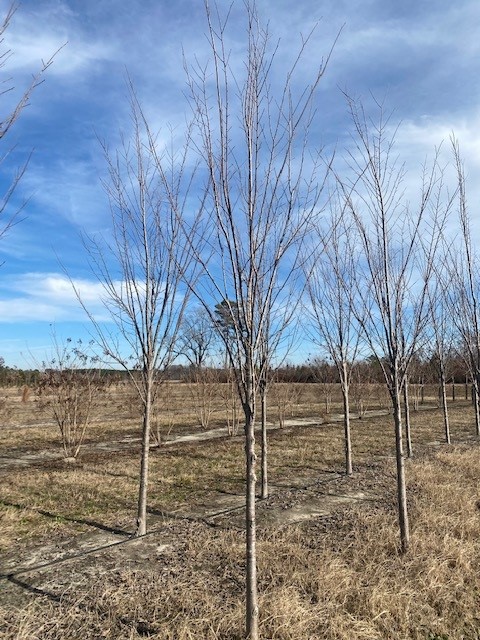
column 406, row 406
column 141, row 529
column 453, row 389
column 346, row 421
column 251, row 551
column 476, row 403
column 263, row 397
column 401, row 482
column 443, row 386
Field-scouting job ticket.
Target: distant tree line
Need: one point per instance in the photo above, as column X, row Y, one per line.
column 367, row 370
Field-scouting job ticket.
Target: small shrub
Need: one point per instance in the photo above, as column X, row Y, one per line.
column 70, row 387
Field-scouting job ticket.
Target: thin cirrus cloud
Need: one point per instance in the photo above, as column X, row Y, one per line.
column 38, row 32
column 71, row 190
column 50, row 297
column 418, row 140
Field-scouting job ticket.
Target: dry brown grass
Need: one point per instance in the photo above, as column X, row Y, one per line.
column 339, row 577
column 27, row 426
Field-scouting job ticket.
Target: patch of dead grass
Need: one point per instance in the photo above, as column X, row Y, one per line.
column 340, row 578
column 336, row 578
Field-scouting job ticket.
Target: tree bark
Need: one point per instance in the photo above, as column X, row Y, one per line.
column 264, row 446
column 141, row 529
column 251, row 552
column 443, row 386
column 476, row 404
column 408, row 433
column 401, row 481
column 346, row 421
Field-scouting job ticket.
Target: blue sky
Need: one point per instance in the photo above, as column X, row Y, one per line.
column 421, row 56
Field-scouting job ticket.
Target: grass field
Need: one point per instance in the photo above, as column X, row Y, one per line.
column 329, row 565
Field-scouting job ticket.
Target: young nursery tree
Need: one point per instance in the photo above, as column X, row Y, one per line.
column 264, row 183
column 442, row 329
column 69, row 387
column 141, row 266
column 398, row 244
column 332, row 325
column 464, row 295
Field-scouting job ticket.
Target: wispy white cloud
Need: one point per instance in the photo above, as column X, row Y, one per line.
column 58, row 288
column 68, row 189
column 49, row 297
column 417, row 141
column 37, row 32
column 425, row 133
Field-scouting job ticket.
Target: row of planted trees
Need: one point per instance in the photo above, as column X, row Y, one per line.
column 72, row 389
column 248, row 211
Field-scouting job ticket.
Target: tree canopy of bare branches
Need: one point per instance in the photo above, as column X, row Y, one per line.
column 398, row 246
column 332, row 324
column 464, row 295
column 264, row 183
column 141, row 267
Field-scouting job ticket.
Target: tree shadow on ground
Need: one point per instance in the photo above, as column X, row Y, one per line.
column 37, row 591
column 58, row 516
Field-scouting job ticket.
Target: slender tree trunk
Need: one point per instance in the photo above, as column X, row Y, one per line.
column 401, row 482
column 443, row 386
column 251, row 551
column 141, row 529
column 453, row 389
column 346, row 421
column 263, row 398
column 406, row 407
column 476, row 403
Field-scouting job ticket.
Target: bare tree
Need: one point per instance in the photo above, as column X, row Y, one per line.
column 325, row 375
column 231, row 401
column 69, row 388
column 285, row 398
column 332, row 324
column 196, row 338
column 15, row 107
column 263, row 188
column 366, row 390
column 464, row 295
column 398, row 247
column 442, row 330
column 263, row 383
column 141, row 267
